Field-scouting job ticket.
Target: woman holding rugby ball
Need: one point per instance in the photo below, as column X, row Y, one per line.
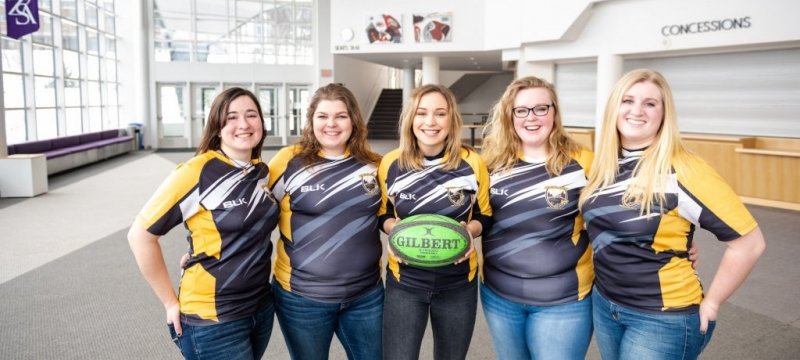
column 327, row 272
column 432, row 173
column 537, row 268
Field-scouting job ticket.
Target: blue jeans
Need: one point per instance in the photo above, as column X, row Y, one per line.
column 521, row 331
column 405, row 317
column 623, row 333
column 308, row 326
column 244, row 339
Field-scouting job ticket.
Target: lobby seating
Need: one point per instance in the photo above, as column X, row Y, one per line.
column 69, row 152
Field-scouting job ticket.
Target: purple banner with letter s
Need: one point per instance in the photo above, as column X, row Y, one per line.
column 22, row 17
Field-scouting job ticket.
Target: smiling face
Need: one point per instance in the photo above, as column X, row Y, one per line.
column 332, row 126
column 242, row 130
column 533, row 130
column 641, row 113
column 431, row 123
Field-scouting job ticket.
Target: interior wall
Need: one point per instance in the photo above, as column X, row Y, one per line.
column 484, row 97
column 365, row 80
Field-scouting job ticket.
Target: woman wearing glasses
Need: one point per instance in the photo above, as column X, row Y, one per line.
column 644, row 197
column 432, row 173
column 537, row 270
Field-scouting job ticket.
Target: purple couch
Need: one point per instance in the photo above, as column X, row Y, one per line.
column 68, row 152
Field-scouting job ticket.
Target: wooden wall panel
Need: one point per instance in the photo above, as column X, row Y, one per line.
column 719, row 152
column 771, row 177
column 583, row 136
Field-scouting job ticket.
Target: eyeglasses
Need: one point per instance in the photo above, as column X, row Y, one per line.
column 538, row 110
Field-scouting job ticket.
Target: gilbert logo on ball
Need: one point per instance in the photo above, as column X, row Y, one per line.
column 429, row 240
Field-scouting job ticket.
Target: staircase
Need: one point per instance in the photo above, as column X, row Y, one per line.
column 383, row 122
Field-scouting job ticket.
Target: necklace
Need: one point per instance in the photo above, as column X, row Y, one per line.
column 244, row 166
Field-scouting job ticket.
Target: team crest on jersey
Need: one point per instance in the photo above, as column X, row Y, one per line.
column 370, row 184
column 456, row 195
column 556, row 197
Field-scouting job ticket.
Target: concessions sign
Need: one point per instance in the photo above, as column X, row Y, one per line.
column 22, row 17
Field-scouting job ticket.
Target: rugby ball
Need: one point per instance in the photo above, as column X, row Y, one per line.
column 429, row 240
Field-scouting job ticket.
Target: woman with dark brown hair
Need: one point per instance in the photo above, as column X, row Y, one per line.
column 327, row 273
column 224, row 307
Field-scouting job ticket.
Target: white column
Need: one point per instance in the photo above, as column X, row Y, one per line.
column 3, row 141
column 609, row 70
column 545, row 70
column 430, row 70
column 408, row 82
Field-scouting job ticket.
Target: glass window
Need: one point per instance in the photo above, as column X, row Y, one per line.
column 95, row 119
column 12, row 55
column 46, row 124
column 16, row 131
column 69, row 9
column 93, row 64
column 46, row 5
column 111, row 94
column 71, row 65
column 220, row 53
column 45, row 90
column 109, row 22
column 13, row 91
column 72, row 92
column 111, row 47
column 92, row 42
column 43, row 63
column 111, row 118
column 91, row 15
column 94, row 93
column 234, row 31
column 69, row 35
column 111, row 70
column 45, row 33
column 108, row 5
column 74, row 121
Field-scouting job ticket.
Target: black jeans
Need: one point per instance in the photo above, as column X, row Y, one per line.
column 405, row 316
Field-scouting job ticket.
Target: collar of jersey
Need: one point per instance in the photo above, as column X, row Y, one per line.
column 336, row 157
column 631, row 153
column 435, row 159
column 217, row 154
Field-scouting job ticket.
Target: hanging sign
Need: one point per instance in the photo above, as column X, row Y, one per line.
column 22, row 17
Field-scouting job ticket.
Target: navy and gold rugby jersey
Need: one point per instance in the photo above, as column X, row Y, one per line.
column 330, row 248
column 230, row 215
column 462, row 194
column 640, row 261
column 536, row 251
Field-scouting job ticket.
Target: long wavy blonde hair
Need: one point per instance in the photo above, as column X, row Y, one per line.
column 501, row 144
column 651, row 174
column 411, row 155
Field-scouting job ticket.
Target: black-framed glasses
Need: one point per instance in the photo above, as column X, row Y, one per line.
column 538, row 110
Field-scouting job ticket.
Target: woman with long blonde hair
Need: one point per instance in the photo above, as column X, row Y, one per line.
column 432, row 173
column 644, row 197
column 537, row 268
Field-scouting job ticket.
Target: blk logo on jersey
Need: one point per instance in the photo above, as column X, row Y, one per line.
column 496, row 191
column 556, row 197
column 310, row 188
column 233, row 203
column 456, row 195
column 370, row 184
column 405, row 196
